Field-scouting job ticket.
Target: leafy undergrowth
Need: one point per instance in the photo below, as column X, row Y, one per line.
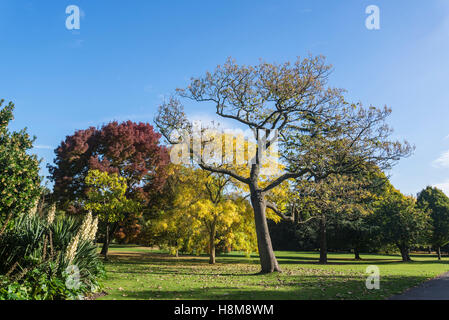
column 140, row 273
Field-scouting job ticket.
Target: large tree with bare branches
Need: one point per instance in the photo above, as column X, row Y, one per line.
column 318, row 133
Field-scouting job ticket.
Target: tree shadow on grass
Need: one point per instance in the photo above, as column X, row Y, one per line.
column 160, row 262
column 162, row 258
column 334, row 261
column 311, row 287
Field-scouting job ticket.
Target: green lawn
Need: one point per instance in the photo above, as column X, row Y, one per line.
column 141, row 273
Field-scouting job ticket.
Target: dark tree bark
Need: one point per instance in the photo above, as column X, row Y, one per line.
column 108, row 235
column 404, row 254
column 268, row 260
column 105, row 248
column 212, row 245
column 439, row 252
column 357, row 254
column 323, row 241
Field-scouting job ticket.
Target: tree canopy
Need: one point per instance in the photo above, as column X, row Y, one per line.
column 129, row 149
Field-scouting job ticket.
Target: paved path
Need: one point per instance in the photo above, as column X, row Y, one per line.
column 435, row 289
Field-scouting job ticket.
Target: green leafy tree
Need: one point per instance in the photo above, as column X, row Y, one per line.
column 331, row 201
column 106, row 197
column 356, row 228
column 19, row 171
column 335, row 202
column 436, row 203
column 401, row 222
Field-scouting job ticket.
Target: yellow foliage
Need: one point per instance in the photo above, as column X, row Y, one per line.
column 203, row 207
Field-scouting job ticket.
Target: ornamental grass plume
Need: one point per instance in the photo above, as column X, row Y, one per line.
column 51, row 214
column 71, row 248
column 93, row 229
column 85, row 229
column 34, row 209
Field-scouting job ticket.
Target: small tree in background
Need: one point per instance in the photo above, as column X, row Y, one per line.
column 333, row 200
column 107, row 198
column 19, row 171
column 436, row 203
column 400, row 222
column 354, row 224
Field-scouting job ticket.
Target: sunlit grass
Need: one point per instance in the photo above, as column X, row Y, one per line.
column 141, row 273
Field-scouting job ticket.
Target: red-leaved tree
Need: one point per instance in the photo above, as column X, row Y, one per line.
column 130, row 149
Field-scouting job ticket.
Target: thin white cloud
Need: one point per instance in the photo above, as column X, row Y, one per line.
column 442, row 161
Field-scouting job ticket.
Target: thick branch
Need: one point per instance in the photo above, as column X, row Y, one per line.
column 224, row 171
column 279, row 213
column 286, row 176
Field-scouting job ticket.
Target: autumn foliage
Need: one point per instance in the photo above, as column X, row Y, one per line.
column 129, row 149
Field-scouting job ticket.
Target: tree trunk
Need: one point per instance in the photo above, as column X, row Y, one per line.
column 357, row 253
column 404, row 254
column 109, row 233
column 268, row 260
column 439, row 252
column 104, row 250
column 212, row 245
column 323, row 241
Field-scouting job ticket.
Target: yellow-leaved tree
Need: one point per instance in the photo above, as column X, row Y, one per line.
column 107, row 199
column 205, row 211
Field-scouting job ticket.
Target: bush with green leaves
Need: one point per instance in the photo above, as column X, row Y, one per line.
column 39, row 284
column 45, row 259
column 19, row 170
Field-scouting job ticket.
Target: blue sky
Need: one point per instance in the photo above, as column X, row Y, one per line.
column 128, row 55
